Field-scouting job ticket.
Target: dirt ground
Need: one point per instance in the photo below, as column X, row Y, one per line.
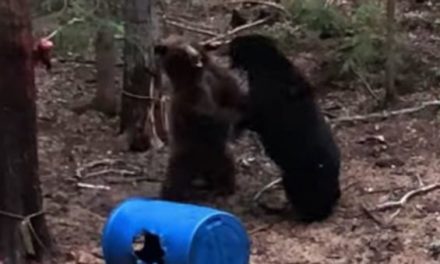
column 382, row 161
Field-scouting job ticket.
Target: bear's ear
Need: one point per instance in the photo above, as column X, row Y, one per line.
column 160, row 49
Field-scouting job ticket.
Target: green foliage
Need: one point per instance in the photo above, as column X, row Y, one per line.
column 360, row 34
column 46, row 7
column 90, row 16
column 368, row 17
column 75, row 39
column 361, row 51
column 317, row 15
column 365, row 46
column 283, row 32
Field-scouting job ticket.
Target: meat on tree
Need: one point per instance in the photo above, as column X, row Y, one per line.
column 20, row 194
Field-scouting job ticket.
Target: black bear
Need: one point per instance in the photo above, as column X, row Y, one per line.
column 291, row 127
column 205, row 103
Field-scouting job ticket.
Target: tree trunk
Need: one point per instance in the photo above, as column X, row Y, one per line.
column 141, row 30
column 390, row 71
column 105, row 99
column 20, row 193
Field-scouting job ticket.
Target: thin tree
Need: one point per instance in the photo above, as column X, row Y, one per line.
column 105, row 99
column 23, row 231
column 106, row 95
column 390, row 70
column 141, row 32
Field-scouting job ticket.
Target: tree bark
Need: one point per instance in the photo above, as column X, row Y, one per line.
column 390, row 71
column 141, row 31
column 105, row 99
column 20, row 193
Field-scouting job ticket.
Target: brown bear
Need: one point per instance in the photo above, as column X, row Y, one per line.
column 206, row 102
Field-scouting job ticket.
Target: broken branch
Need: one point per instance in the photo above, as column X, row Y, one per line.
column 156, row 141
column 273, row 5
column 58, row 30
column 371, row 216
column 190, row 28
column 406, row 197
column 387, row 114
column 133, row 180
column 108, row 171
column 265, row 188
column 260, row 229
column 235, row 31
column 84, row 172
column 366, row 85
column 92, row 186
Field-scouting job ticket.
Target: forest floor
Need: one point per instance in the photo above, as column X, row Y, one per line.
column 382, row 161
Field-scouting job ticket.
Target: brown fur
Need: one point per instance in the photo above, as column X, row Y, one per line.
column 205, row 102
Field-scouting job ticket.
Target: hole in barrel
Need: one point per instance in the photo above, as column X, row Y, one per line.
column 146, row 247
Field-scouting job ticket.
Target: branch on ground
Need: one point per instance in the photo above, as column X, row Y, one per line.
column 82, row 172
column 407, row 197
column 386, row 114
column 371, row 216
column 93, row 186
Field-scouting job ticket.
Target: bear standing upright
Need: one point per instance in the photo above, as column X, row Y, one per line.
column 205, row 103
column 292, row 129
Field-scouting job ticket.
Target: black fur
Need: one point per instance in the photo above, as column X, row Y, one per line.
column 292, row 129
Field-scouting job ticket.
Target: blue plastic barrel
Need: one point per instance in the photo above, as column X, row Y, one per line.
column 187, row 234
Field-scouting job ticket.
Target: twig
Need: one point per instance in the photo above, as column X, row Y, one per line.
column 93, row 186
column 190, row 28
column 370, row 215
column 93, row 164
column 406, row 197
column 94, row 215
column 383, row 190
column 394, row 215
column 235, row 31
column 367, row 85
column 266, row 208
column 386, row 114
column 259, row 2
column 108, row 171
column 191, row 21
column 132, row 170
column 419, row 180
column 259, row 229
column 134, row 180
column 265, row 188
column 164, row 106
column 156, row 142
column 58, row 30
column 137, row 96
column 349, row 186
